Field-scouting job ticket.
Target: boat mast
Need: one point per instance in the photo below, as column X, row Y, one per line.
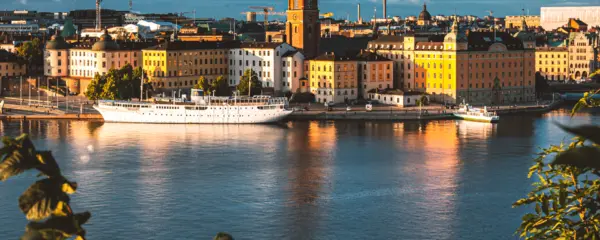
column 142, row 86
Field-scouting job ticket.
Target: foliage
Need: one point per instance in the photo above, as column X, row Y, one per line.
column 249, row 76
column 203, row 84
column 566, row 196
column 223, row 236
column 31, row 51
column 221, row 87
column 46, row 202
column 117, row 84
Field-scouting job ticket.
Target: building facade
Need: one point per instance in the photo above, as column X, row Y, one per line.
column 266, row 60
column 476, row 67
column 517, row 21
column 179, row 65
column 374, row 73
column 581, row 56
column 303, row 28
column 333, row 78
column 552, row 63
column 292, row 71
column 555, row 17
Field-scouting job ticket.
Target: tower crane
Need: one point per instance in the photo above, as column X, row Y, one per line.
column 326, row 15
column 266, row 12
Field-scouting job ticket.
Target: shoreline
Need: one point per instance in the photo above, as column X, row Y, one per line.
column 380, row 115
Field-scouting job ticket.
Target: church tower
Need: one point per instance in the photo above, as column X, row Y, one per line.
column 303, row 30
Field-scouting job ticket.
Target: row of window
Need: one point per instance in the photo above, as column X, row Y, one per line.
column 183, row 62
column 199, row 53
column 260, row 63
column 189, row 72
column 260, row 53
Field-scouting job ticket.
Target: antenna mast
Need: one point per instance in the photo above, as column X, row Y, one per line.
column 98, row 15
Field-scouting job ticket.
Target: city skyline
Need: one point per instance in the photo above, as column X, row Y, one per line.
column 341, row 8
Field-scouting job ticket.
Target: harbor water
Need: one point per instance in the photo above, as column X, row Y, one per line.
column 296, row 180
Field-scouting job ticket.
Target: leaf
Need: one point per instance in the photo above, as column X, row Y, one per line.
column 19, row 156
column 583, row 157
column 44, row 198
column 589, row 132
column 60, row 227
column 581, row 103
column 48, row 166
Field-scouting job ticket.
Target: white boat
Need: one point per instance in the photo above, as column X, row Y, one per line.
column 467, row 112
column 202, row 109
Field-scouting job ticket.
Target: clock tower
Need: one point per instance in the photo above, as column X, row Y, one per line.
column 303, row 30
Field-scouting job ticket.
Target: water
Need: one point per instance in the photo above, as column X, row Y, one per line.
column 299, row 180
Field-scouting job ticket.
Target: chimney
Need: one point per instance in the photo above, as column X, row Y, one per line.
column 359, row 19
column 385, row 10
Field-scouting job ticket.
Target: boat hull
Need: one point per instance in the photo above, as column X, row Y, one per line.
column 492, row 119
column 181, row 115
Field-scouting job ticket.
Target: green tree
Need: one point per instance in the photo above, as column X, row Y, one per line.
column 221, row 86
column 94, row 89
column 46, row 202
column 110, row 90
column 204, row 85
column 32, row 53
column 249, row 75
column 566, row 197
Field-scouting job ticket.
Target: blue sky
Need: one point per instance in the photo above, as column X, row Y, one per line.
column 341, row 8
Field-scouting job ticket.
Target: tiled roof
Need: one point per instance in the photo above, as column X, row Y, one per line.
column 481, row 41
column 289, row 54
column 269, row 45
column 426, row 46
column 343, row 46
column 334, row 57
column 370, row 56
column 8, row 57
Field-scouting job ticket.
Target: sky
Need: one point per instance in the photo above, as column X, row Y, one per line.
column 341, row 8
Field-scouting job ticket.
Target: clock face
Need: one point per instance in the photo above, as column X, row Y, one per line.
column 294, row 16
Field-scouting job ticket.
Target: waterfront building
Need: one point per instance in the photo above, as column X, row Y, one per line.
column 20, row 29
column 78, row 63
column 179, row 65
column 582, row 57
column 517, row 21
column 555, row 17
column 552, row 63
column 396, row 97
column 292, row 71
column 302, row 27
column 266, row 60
column 475, row 67
column 374, row 73
column 333, row 78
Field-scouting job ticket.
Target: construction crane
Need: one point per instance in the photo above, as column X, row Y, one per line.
column 266, row 11
column 327, row 15
column 98, row 16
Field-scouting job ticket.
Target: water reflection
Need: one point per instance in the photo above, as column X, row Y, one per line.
column 303, row 180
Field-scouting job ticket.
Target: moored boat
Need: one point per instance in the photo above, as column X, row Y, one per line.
column 202, row 109
column 467, row 112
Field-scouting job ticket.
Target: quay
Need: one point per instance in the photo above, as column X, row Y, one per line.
column 316, row 112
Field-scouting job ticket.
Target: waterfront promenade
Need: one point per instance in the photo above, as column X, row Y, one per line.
column 16, row 110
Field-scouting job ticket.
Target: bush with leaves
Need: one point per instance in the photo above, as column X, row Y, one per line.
column 566, row 197
column 46, row 202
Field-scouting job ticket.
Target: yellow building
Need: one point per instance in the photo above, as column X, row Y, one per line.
column 478, row 68
column 176, row 65
column 517, row 21
column 552, row 63
column 333, row 78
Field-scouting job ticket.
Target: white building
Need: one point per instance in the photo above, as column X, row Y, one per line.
column 555, row 17
column 19, row 28
column 266, row 60
column 156, row 26
column 292, row 69
column 396, row 97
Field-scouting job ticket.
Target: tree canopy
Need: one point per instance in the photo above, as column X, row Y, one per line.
column 249, row 76
column 117, row 84
column 32, row 53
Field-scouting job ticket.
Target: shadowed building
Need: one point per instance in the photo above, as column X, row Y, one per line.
column 303, row 30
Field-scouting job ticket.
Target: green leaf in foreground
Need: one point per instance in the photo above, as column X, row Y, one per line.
column 47, row 197
column 589, row 132
column 583, row 157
